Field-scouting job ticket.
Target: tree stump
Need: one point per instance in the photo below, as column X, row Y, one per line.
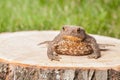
column 22, row 59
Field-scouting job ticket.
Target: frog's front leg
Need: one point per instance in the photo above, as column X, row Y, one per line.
column 96, row 50
column 52, row 55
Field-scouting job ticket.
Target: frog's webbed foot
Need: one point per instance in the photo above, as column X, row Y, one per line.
column 93, row 55
column 55, row 57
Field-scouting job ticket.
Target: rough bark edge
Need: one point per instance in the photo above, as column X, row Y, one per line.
column 19, row 72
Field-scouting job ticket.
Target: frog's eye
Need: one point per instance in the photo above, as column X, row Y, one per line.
column 78, row 30
column 63, row 28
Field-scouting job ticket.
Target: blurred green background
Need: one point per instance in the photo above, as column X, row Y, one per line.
column 96, row 16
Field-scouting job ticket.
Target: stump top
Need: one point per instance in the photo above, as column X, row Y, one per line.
column 21, row 47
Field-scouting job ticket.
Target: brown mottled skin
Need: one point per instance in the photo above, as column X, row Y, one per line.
column 72, row 40
column 70, row 45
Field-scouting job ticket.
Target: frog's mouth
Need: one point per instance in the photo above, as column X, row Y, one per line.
column 71, row 38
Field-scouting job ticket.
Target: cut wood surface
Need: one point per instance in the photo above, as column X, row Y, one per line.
column 22, row 59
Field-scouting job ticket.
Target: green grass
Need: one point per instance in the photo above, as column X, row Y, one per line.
column 96, row 16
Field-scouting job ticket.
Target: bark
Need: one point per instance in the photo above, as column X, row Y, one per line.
column 10, row 71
